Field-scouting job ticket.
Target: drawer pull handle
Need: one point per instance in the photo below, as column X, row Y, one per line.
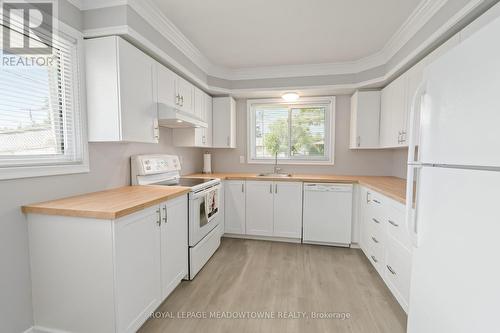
column 376, row 201
column 393, row 223
column 391, row 270
column 375, row 240
column 374, row 259
column 375, row 220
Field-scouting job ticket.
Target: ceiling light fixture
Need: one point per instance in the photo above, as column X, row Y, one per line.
column 179, row 121
column 290, row 96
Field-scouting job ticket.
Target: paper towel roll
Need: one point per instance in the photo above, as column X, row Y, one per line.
column 207, row 163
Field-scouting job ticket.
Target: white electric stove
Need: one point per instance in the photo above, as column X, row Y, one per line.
column 204, row 234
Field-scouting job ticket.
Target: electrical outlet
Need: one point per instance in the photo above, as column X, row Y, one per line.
column 242, row 159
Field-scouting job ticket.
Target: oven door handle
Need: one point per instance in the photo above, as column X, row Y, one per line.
column 204, row 192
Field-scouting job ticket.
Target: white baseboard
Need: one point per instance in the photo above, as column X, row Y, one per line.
column 41, row 329
column 266, row 238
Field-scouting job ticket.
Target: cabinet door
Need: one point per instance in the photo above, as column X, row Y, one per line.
column 166, row 86
column 393, row 113
column 365, row 115
column 137, row 267
column 185, row 90
column 199, row 104
column 208, row 116
column 259, row 208
column 386, row 116
column 234, row 207
column 174, row 243
column 288, row 209
column 224, row 122
column 139, row 114
column 399, row 112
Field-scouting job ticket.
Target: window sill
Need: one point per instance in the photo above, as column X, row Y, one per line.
column 40, row 171
column 291, row 162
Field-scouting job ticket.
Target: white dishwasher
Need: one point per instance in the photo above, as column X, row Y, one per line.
column 327, row 214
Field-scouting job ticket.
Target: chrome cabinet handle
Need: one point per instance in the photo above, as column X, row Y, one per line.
column 182, row 100
column 176, row 99
column 393, row 223
column 368, row 197
column 242, row 188
column 271, row 188
column 375, row 220
column 275, row 188
column 374, row 259
column 376, row 201
column 165, row 214
column 375, row 240
column 391, row 270
column 159, row 217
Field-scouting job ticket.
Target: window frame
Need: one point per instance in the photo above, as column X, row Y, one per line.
column 304, row 101
column 24, row 167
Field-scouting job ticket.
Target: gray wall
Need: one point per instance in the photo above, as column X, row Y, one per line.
column 347, row 162
column 109, row 167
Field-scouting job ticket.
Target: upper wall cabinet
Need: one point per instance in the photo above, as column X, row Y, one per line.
column 174, row 91
column 224, row 122
column 393, row 114
column 121, row 101
column 197, row 136
column 365, row 114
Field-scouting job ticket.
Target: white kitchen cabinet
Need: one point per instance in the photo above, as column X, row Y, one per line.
column 121, row 101
column 174, row 240
column 287, row 209
column 166, row 86
column 385, row 241
column 393, row 113
column 224, row 122
column 137, row 260
column 185, row 95
column 259, row 208
column 365, row 114
column 234, row 207
column 199, row 104
column 197, row 136
column 116, row 272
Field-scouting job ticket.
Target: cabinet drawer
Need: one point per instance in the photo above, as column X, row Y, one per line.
column 375, row 247
column 396, row 226
column 398, row 271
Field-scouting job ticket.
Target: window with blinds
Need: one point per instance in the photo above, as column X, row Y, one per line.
column 40, row 120
column 294, row 133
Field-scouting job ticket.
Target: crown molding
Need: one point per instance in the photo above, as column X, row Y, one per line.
column 97, row 4
column 153, row 15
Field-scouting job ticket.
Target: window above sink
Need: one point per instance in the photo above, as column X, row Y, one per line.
column 301, row 132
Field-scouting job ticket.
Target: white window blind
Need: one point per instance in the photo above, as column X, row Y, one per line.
column 299, row 133
column 40, row 121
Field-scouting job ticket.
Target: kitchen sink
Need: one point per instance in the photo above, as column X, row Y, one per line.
column 271, row 174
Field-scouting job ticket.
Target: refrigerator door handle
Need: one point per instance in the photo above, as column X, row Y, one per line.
column 413, row 130
column 412, row 203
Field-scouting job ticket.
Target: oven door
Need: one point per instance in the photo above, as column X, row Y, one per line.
column 203, row 210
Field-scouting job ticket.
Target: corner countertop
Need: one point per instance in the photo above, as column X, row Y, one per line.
column 109, row 204
column 392, row 187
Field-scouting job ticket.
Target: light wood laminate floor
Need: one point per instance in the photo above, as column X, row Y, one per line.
column 271, row 277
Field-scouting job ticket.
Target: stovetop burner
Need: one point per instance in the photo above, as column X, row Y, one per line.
column 188, row 182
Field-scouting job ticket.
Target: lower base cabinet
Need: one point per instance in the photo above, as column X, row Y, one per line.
column 259, row 208
column 263, row 209
column 94, row 275
column 385, row 242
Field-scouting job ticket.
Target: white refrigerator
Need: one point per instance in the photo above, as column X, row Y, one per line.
column 453, row 190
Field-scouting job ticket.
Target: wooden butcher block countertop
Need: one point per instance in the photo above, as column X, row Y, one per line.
column 392, row 187
column 109, row 204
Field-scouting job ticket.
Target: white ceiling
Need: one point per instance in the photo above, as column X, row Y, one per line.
column 238, row 34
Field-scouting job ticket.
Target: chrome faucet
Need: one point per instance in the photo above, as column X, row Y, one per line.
column 276, row 169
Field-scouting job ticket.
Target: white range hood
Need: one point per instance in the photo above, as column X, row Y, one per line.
column 173, row 118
